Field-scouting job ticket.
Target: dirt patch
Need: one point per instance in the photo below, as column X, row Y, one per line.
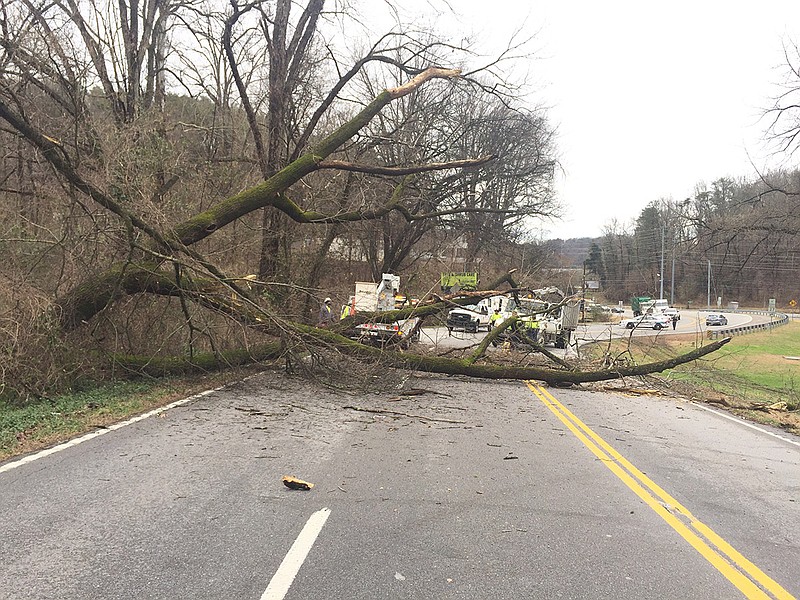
column 786, row 420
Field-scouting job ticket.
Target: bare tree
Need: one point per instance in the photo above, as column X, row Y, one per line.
column 161, row 229
column 783, row 117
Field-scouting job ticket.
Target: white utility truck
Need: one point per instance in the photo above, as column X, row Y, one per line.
column 472, row 317
column 556, row 316
column 380, row 297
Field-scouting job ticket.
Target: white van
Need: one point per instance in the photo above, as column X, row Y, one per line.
column 660, row 305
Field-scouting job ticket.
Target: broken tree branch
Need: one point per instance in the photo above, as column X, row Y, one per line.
column 436, row 364
column 402, row 414
column 488, row 339
column 409, row 170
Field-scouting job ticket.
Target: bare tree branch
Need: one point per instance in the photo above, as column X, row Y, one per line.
column 393, row 171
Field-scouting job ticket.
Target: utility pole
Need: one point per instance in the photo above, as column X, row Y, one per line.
column 672, row 277
column 661, row 276
column 583, row 294
column 672, row 280
column 708, row 293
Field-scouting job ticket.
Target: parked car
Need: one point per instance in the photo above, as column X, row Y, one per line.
column 672, row 312
column 716, row 319
column 617, row 310
column 657, row 321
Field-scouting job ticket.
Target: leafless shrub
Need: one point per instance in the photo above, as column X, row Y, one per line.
column 35, row 357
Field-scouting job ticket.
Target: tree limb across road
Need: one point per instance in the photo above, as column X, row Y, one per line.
column 452, row 366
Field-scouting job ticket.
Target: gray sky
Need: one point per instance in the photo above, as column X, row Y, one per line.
column 650, row 99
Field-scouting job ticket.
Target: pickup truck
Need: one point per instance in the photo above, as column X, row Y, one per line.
column 469, row 318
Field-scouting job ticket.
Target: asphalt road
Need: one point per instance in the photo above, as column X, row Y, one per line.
column 471, row 490
column 692, row 322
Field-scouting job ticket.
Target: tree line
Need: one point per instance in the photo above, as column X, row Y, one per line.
column 738, row 240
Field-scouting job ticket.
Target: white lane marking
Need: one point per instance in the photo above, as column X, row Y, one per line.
column 84, row 438
column 284, row 576
column 746, row 424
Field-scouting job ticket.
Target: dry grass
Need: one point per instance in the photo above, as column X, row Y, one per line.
column 748, row 375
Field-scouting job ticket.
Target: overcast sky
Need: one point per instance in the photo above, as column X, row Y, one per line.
column 649, row 98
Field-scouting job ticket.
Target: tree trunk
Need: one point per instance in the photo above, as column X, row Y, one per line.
column 450, row 366
column 162, row 366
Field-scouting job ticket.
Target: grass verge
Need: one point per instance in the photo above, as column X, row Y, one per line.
column 748, row 375
column 36, row 425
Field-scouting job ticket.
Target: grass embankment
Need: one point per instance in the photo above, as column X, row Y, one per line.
column 29, row 426
column 748, row 374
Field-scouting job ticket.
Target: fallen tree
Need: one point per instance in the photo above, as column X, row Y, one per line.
column 160, row 366
column 450, row 366
column 161, row 262
column 295, row 338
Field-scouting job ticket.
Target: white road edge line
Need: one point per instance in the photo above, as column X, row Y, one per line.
column 284, row 576
column 84, row 438
column 746, row 424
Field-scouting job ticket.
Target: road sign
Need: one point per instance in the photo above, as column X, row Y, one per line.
column 792, row 303
column 465, row 281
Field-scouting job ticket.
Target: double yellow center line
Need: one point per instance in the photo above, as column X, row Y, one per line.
column 748, row 578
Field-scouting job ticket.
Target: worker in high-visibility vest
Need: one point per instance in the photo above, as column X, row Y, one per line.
column 325, row 315
column 532, row 328
column 495, row 318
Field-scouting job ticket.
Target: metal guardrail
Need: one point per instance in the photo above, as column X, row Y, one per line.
column 778, row 320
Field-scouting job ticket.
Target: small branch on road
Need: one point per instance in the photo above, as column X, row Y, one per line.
column 402, row 414
column 420, row 392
